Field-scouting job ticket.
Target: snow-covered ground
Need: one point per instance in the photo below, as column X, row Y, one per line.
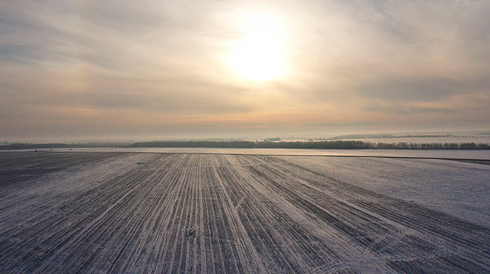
column 116, row 212
column 457, row 188
column 447, row 154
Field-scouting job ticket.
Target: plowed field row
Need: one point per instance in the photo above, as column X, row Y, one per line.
column 197, row 213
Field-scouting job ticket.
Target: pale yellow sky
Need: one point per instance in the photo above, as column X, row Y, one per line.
column 202, row 69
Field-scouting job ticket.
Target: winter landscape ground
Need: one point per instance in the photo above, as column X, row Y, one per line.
column 130, row 212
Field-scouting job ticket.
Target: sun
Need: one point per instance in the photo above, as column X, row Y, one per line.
column 260, row 53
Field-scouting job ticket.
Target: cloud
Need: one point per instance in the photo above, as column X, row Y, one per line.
column 401, row 110
column 412, row 90
column 79, row 66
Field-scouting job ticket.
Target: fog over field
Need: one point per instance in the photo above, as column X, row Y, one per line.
column 86, row 212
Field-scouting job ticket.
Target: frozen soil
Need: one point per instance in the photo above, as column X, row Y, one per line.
column 217, row 213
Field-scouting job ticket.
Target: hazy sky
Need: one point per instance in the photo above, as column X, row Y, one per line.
column 126, row 69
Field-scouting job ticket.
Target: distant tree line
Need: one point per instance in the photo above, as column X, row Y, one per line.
column 33, row 146
column 404, row 145
column 313, row 145
column 15, row 146
column 259, row 144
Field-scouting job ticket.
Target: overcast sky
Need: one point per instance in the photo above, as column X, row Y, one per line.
column 81, row 70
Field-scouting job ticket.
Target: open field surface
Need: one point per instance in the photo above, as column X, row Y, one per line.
column 433, row 154
column 229, row 213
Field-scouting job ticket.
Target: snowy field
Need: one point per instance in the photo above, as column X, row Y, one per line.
column 432, row 154
column 244, row 211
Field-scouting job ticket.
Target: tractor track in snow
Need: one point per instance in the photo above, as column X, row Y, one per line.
column 216, row 213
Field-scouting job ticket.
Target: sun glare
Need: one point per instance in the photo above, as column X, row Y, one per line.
column 260, row 54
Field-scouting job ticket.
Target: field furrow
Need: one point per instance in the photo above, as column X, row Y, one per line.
column 203, row 213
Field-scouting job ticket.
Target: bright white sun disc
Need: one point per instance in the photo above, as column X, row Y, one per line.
column 258, row 58
column 260, row 54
